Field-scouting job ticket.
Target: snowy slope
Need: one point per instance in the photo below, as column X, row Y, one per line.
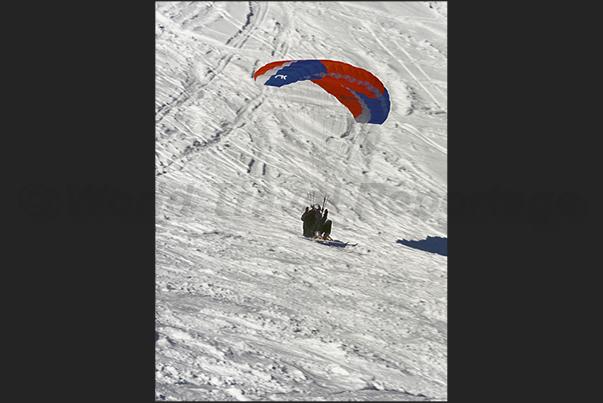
column 246, row 308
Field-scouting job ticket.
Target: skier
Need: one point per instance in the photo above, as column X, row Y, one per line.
column 323, row 227
column 309, row 219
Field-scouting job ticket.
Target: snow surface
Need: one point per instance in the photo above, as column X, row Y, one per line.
column 248, row 309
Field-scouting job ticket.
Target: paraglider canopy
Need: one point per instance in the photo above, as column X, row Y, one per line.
column 363, row 94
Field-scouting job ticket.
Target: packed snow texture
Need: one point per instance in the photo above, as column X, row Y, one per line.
column 248, row 309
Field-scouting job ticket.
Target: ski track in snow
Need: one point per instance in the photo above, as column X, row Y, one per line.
column 246, row 309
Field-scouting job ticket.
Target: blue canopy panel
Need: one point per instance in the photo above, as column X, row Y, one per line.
column 294, row 71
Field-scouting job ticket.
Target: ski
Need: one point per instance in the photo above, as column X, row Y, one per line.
column 334, row 242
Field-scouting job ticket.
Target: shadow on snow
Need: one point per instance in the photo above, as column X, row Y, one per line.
column 433, row 244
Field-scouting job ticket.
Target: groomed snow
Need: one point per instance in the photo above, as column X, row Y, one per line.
column 246, row 308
